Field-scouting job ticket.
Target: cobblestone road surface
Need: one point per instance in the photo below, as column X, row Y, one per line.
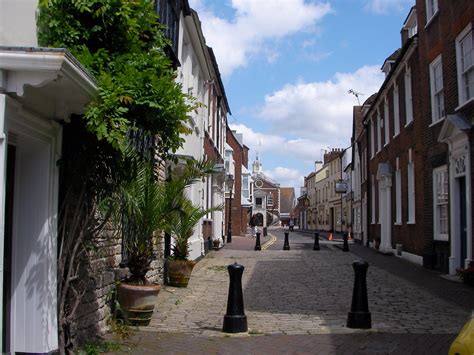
column 297, row 302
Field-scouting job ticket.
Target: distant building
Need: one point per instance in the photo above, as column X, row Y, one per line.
column 287, row 205
column 301, row 209
column 237, row 164
column 265, row 197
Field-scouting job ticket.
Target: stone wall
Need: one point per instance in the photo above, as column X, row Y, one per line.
column 99, row 278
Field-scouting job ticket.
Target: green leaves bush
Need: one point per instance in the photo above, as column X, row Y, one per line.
column 122, row 44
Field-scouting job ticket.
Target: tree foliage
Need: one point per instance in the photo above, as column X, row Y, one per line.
column 122, row 44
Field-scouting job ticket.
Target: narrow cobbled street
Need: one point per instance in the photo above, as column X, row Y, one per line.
column 297, row 301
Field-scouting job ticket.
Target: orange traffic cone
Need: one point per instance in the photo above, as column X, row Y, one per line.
column 330, row 236
column 349, row 236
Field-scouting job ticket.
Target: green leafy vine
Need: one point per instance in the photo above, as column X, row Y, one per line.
column 122, row 44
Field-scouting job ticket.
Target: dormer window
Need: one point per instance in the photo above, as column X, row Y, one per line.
column 387, row 66
column 431, row 9
column 411, row 25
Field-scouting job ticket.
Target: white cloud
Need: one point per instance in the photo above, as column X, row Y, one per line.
column 319, row 111
column 286, row 177
column 270, row 146
column 304, row 150
column 256, row 22
column 385, row 6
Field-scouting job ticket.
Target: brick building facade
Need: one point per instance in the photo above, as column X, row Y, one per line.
column 240, row 203
column 417, row 138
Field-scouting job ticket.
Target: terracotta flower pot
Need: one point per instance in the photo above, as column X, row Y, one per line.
column 138, row 302
column 179, row 272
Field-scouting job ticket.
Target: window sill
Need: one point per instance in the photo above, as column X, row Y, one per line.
column 397, row 224
column 396, row 135
column 385, row 144
column 409, row 124
column 436, row 122
column 411, row 222
column 430, row 21
column 464, row 104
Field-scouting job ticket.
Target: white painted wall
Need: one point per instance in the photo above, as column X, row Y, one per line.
column 18, row 23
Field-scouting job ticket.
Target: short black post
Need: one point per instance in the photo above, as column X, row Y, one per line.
column 257, row 242
column 265, row 231
column 345, row 246
column 286, row 245
column 359, row 316
column 316, row 241
column 235, row 320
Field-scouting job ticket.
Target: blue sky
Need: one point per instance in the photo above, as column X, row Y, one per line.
column 287, row 66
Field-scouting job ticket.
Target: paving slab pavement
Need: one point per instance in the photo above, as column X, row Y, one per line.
column 297, row 302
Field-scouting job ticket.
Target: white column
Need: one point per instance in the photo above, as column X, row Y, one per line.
column 386, row 213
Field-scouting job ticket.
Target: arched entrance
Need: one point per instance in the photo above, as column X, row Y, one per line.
column 259, row 219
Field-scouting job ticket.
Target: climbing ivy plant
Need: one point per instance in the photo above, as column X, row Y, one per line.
column 122, row 44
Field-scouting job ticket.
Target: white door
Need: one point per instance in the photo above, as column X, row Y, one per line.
column 32, row 322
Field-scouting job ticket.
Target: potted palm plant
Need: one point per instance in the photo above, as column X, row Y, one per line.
column 181, row 228
column 148, row 208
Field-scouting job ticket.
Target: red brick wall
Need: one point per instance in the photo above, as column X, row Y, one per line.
column 435, row 39
column 239, row 224
column 410, row 235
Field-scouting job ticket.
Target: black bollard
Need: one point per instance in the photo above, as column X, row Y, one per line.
column 257, row 242
column 345, row 246
column 316, row 241
column 286, row 245
column 235, row 320
column 359, row 316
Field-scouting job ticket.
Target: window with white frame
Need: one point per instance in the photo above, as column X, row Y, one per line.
column 373, row 200
column 364, row 165
column 437, row 95
column 398, row 193
column 386, row 124
column 431, row 9
column 411, row 187
column 270, row 199
column 440, row 205
column 245, row 186
column 465, row 64
column 372, row 139
column 408, row 97
column 396, row 111
column 379, row 134
column 412, row 30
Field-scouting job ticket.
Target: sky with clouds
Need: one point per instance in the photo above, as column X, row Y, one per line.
column 287, row 67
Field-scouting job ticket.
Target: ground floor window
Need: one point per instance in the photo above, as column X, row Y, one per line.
column 440, row 205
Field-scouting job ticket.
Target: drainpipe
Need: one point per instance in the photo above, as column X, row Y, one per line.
column 368, row 184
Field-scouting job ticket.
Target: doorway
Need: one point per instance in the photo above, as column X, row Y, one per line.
column 7, row 262
column 462, row 221
column 331, row 219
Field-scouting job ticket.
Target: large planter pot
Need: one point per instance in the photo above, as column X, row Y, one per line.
column 137, row 302
column 179, row 272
